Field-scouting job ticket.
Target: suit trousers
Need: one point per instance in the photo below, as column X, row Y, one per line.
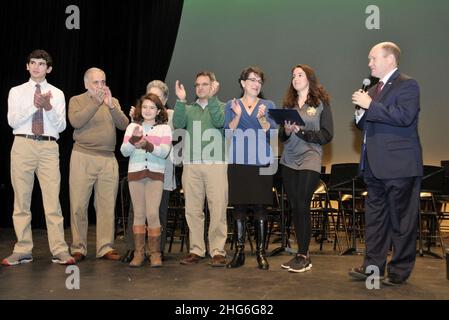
column 27, row 158
column 392, row 210
column 211, row 181
column 100, row 172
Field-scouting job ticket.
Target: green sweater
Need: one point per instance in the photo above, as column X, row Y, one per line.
column 204, row 139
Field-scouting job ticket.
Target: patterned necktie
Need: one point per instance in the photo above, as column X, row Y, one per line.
column 378, row 89
column 37, row 126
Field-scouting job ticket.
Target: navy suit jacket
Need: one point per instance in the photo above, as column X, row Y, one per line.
column 391, row 129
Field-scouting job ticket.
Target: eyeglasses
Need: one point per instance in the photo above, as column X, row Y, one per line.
column 196, row 85
column 254, row 80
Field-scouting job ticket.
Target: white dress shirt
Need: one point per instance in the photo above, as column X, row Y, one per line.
column 21, row 109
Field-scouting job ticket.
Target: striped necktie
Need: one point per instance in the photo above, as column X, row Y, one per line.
column 37, row 126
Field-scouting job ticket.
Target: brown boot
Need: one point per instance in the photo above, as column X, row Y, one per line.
column 139, row 246
column 154, row 244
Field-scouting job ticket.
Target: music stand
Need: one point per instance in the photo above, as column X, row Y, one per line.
column 277, row 182
column 432, row 182
column 346, row 174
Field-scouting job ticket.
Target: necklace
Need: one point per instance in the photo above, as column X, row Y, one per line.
column 249, row 106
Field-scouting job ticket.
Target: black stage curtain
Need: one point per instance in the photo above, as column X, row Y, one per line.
column 132, row 41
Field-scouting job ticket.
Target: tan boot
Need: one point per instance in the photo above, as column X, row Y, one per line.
column 154, row 244
column 139, row 246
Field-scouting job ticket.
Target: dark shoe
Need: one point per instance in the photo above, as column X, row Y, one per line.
column 129, row 255
column 301, row 263
column 78, row 256
column 190, row 259
column 359, row 273
column 286, row 265
column 261, row 227
column 238, row 259
column 262, row 260
column 111, row 255
column 218, row 261
column 393, row 280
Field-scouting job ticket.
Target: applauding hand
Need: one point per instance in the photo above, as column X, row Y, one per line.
column 180, row 91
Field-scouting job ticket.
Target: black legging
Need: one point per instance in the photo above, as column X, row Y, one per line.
column 300, row 186
column 241, row 211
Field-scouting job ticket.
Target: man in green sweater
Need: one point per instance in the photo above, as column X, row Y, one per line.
column 95, row 115
column 204, row 168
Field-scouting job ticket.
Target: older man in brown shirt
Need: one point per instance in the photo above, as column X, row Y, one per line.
column 95, row 115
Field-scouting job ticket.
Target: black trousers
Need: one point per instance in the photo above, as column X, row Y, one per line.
column 300, row 186
column 391, row 217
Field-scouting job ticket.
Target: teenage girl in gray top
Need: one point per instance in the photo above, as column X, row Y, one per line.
column 302, row 155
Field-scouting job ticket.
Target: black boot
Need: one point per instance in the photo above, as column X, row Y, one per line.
column 239, row 255
column 128, row 256
column 261, row 227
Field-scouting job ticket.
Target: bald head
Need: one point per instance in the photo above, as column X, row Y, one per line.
column 94, row 79
column 383, row 58
column 91, row 71
column 390, row 48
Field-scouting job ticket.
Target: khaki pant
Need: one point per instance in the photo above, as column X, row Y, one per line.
column 89, row 171
column 199, row 181
column 27, row 158
column 146, row 196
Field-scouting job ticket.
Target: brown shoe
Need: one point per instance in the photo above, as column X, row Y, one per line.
column 111, row 255
column 78, row 256
column 191, row 259
column 218, row 261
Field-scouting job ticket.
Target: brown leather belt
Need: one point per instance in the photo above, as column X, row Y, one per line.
column 37, row 138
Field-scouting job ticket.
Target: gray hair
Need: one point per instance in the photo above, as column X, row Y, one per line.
column 90, row 70
column 160, row 85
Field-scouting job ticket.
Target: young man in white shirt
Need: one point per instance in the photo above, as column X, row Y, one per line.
column 36, row 112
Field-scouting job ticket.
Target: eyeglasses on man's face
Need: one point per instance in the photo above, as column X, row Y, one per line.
column 255, row 80
column 196, row 85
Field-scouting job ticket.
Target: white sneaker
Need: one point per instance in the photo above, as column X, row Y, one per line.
column 63, row 258
column 17, row 258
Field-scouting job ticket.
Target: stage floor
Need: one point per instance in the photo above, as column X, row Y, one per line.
column 100, row 279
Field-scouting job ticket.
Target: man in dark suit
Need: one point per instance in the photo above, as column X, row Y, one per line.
column 391, row 165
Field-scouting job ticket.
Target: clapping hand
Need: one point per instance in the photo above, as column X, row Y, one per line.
column 99, row 95
column 43, row 100
column 235, row 107
column 137, row 135
column 108, row 97
column 138, row 132
column 180, row 91
column 132, row 112
column 141, row 144
column 215, row 85
column 261, row 111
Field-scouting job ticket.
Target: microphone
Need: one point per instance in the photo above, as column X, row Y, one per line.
column 365, row 84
